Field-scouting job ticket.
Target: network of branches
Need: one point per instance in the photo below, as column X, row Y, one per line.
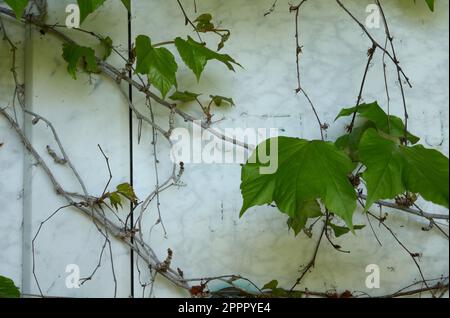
column 377, row 163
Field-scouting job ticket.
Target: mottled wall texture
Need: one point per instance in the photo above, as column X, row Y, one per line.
column 201, row 216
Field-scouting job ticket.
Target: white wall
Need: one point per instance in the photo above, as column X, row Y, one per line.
column 202, row 216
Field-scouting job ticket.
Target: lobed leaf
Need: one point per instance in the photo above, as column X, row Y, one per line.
column 307, row 170
column 388, row 124
column 157, row 63
column 392, row 169
column 127, row 191
column 75, row 54
column 196, row 55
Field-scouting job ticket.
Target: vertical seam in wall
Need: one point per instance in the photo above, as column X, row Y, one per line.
column 130, row 115
column 27, row 165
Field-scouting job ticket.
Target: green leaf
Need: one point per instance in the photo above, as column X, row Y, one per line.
column 18, row 6
column 115, row 200
column 350, row 142
column 307, row 170
column 87, row 7
column 309, row 209
column 107, row 44
column 126, row 190
column 388, row 124
column 158, row 63
column 342, row 230
column 393, row 169
column 8, row 289
column 271, row 285
column 384, row 164
column 426, row 172
column 184, row 97
column 75, row 55
column 280, row 292
column 127, row 4
column 430, row 4
column 219, row 100
column 196, row 55
column 204, row 23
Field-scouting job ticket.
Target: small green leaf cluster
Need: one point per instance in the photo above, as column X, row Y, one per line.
column 153, row 60
column 124, row 190
column 205, row 25
column 160, row 66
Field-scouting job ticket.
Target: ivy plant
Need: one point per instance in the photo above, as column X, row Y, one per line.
column 157, row 63
column 307, row 171
column 314, row 175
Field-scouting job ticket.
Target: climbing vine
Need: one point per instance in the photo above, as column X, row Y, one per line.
column 377, row 159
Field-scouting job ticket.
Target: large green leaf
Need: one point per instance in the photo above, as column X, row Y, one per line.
column 388, row 124
column 393, row 169
column 426, row 172
column 18, row 6
column 75, row 55
column 158, row 63
column 87, row 7
column 196, row 55
column 8, row 289
column 307, row 170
